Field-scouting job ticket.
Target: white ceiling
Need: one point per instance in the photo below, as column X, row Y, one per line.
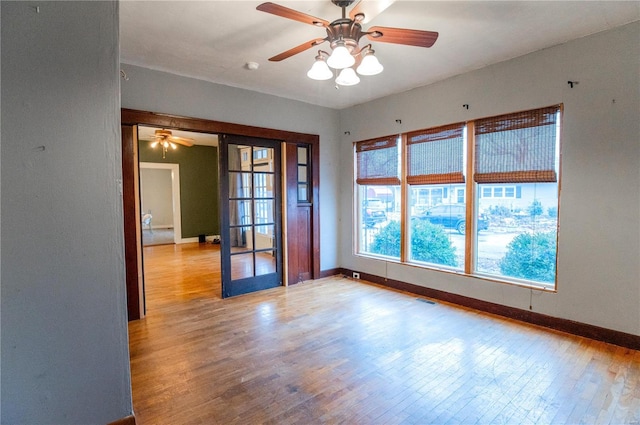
column 146, row 133
column 213, row 41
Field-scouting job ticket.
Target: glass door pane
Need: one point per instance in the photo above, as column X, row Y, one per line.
column 251, row 254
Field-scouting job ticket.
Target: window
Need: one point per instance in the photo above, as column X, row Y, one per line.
column 303, row 175
column 378, row 197
column 509, row 192
column 435, row 168
column 491, row 191
column 260, row 153
column 503, row 201
column 263, row 190
column 519, row 148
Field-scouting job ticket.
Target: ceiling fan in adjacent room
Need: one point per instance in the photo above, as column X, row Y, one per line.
column 344, row 36
column 166, row 140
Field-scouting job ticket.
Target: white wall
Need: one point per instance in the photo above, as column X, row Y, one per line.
column 158, row 91
column 156, row 195
column 65, row 355
column 599, row 239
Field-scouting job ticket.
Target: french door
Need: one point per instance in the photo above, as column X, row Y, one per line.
column 251, row 238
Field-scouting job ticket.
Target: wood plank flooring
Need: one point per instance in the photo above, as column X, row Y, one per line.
column 340, row 351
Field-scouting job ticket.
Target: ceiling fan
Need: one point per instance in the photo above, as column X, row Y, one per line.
column 344, row 36
column 166, row 139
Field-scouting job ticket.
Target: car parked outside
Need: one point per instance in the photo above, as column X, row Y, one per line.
column 451, row 216
column 373, row 212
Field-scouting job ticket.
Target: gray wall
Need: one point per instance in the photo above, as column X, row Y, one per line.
column 65, row 355
column 599, row 238
column 158, row 91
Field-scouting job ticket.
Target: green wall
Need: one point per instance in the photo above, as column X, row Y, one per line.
column 198, row 185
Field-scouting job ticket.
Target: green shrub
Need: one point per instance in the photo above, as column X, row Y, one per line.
column 531, row 257
column 535, row 208
column 387, row 240
column 500, row 211
column 429, row 243
column 553, row 212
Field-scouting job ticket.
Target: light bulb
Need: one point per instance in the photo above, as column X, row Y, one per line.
column 347, row 77
column 319, row 70
column 370, row 65
column 340, row 57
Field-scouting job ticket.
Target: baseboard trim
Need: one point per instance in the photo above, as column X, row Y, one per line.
column 576, row 328
column 329, row 272
column 129, row 420
column 188, row 240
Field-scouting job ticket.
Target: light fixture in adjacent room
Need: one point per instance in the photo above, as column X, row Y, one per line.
column 165, row 139
column 165, row 146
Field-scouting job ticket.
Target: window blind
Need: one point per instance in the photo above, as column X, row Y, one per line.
column 377, row 162
column 517, row 148
column 436, row 155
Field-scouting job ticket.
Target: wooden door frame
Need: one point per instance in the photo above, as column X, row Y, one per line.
column 133, row 242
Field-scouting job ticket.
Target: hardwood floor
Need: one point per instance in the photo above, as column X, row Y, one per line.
column 340, row 351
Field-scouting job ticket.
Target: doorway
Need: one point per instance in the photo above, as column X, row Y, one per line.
column 179, row 206
column 133, row 247
column 160, row 203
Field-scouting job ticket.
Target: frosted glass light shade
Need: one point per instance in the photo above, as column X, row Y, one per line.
column 347, row 77
column 370, row 66
column 319, row 71
column 340, row 58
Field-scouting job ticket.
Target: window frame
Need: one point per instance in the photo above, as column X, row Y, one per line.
column 471, row 202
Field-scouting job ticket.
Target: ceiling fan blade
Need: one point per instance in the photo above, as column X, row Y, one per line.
column 285, row 12
column 181, row 141
column 301, row 48
column 370, row 9
column 402, row 36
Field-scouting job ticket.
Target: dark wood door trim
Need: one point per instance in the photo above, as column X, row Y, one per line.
column 131, row 218
column 315, row 216
column 131, row 117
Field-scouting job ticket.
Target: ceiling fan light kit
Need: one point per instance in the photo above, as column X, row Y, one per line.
column 166, row 140
column 370, row 64
column 340, row 57
column 344, row 36
column 320, row 70
column 347, row 77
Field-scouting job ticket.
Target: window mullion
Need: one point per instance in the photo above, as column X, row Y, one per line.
column 405, row 219
column 470, row 201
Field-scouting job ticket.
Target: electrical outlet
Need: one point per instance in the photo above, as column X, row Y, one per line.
column 356, row 275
